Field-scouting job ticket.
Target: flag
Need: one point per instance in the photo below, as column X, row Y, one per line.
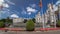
column 40, row 4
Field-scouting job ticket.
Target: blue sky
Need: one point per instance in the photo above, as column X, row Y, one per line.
column 25, row 8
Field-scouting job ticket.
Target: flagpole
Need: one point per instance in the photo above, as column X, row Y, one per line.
column 42, row 16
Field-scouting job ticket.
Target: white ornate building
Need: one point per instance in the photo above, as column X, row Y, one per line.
column 38, row 18
column 50, row 13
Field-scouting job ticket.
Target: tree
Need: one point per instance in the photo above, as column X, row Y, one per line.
column 3, row 20
column 58, row 23
column 1, row 24
column 30, row 25
column 8, row 20
column 25, row 20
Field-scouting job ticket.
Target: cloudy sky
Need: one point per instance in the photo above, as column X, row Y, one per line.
column 23, row 8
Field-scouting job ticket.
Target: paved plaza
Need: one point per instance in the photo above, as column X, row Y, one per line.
column 34, row 32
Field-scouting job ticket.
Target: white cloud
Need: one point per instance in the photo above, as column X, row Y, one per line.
column 55, row 7
column 1, row 1
column 29, row 9
column 29, row 13
column 14, row 16
column 6, row 5
column 10, row 2
column 58, row 2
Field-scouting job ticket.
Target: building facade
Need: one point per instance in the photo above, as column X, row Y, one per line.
column 18, row 20
column 50, row 13
column 38, row 18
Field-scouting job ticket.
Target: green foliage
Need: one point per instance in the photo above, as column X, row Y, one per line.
column 58, row 23
column 8, row 20
column 30, row 25
column 25, row 20
column 1, row 24
column 2, row 20
column 33, row 20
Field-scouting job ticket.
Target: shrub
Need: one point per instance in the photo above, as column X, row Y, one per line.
column 58, row 23
column 1, row 24
column 30, row 25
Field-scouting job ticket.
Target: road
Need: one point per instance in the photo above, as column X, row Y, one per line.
column 34, row 32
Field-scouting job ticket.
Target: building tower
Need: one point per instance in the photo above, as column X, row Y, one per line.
column 38, row 18
column 51, row 13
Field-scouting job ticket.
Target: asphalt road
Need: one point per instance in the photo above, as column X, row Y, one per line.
column 34, row 32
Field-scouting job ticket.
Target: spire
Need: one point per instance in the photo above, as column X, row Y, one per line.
column 38, row 14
